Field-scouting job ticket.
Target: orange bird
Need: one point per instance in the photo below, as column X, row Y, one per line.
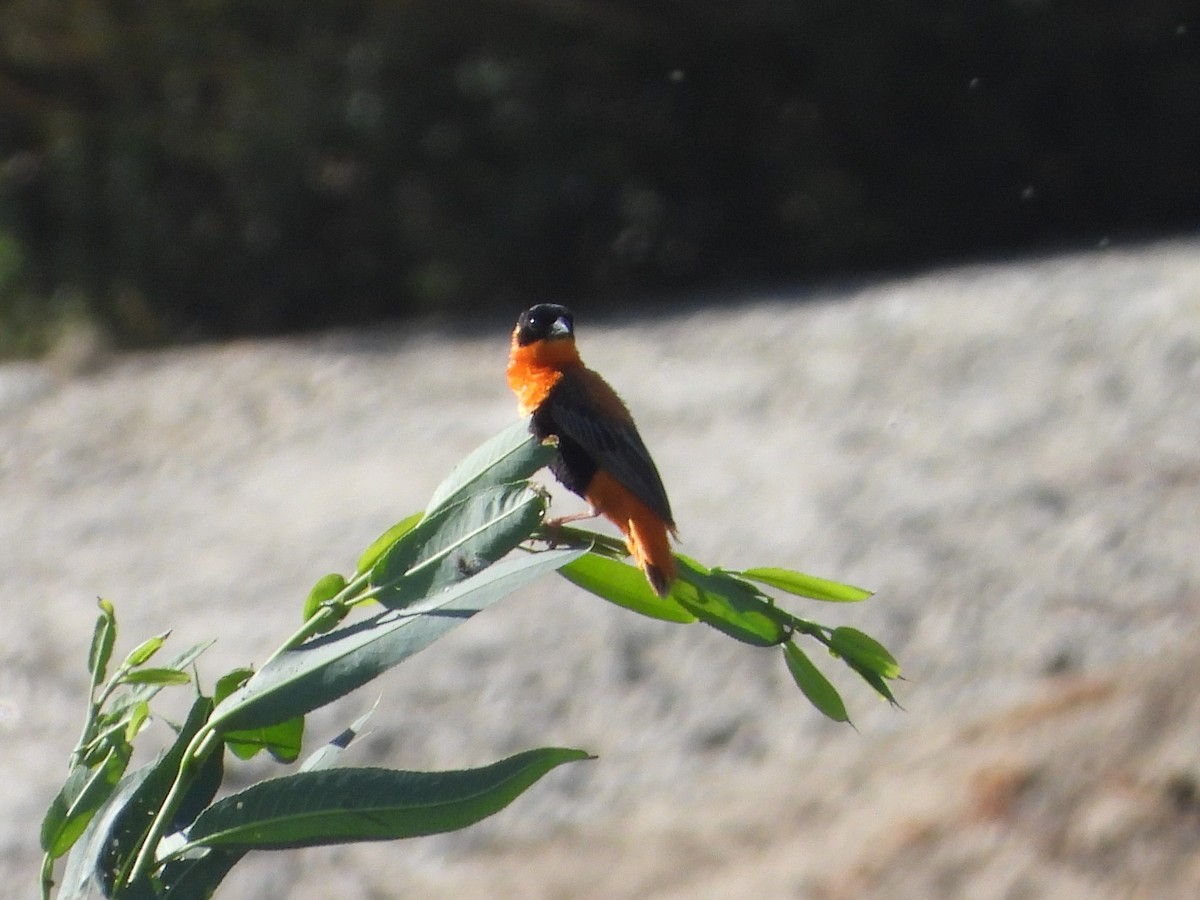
column 601, row 456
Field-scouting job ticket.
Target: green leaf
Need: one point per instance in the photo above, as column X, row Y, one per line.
column 864, row 650
column 138, row 714
column 84, row 792
column 146, row 649
column 806, row 585
column 196, row 877
column 132, row 822
column 727, row 604
column 384, row 541
column 326, row 588
column 147, row 692
column 624, row 585
column 337, row 806
column 510, row 456
column 110, row 733
column 326, row 757
column 875, row 681
column 330, row 666
column 156, row 676
column 230, row 682
column 199, row 794
column 55, row 821
column 83, row 863
column 815, row 686
column 282, row 741
column 457, row 541
column 104, row 635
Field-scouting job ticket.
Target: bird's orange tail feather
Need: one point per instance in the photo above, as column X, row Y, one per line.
column 646, row 535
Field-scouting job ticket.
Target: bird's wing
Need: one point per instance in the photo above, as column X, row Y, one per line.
column 588, row 412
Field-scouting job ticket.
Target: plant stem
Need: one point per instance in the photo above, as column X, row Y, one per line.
column 195, row 754
column 208, row 737
column 812, row 629
column 95, row 704
column 313, row 626
column 327, row 610
column 85, row 736
column 47, row 875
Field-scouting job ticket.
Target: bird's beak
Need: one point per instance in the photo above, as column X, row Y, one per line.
column 560, row 328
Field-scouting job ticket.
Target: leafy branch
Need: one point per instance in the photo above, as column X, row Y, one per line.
column 160, row 829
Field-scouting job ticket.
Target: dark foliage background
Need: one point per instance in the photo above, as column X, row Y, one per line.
column 217, row 167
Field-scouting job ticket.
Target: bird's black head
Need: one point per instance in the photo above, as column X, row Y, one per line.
column 545, row 322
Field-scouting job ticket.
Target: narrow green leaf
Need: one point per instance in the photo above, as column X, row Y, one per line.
column 156, row 676
column 624, row 585
column 282, row 741
column 146, row 649
column 200, row 792
column 138, row 714
column 84, row 792
column 457, row 541
column 104, row 635
column 54, row 822
column 105, row 832
column 84, row 861
column 110, row 732
column 196, row 877
column 727, row 605
column 326, row 757
column 815, row 686
column 330, row 666
column 230, row 682
column 132, row 821
column 147, row 692
column 806, row 585
column 863, row 649
column 873, row 678
column 326, row 588
column 337, row 806
column 384, row 541
column 510, row 456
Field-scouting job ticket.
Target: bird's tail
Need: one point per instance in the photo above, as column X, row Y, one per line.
column 647, row 535
column 648, row 541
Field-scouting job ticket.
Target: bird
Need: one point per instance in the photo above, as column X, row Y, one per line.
column 600, row 456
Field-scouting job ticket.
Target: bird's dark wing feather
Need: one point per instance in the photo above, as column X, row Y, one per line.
column 587, row 411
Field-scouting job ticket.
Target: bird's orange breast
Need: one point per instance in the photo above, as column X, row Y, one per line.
column 534, row 370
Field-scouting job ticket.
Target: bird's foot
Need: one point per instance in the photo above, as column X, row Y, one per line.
column 553, row 527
